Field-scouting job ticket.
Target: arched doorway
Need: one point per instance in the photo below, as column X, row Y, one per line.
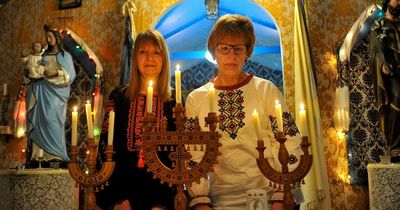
column 186, row 28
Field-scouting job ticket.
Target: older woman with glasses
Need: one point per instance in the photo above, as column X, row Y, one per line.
column 238, row 94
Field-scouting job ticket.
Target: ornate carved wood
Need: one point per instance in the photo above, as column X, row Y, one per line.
column 178, row 142
column 285, row 178
column 91, row 179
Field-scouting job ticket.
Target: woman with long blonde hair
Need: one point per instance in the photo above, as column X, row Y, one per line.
column 131, row 186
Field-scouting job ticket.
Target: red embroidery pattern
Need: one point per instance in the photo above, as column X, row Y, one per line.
column 137, row 111
column 231, row 109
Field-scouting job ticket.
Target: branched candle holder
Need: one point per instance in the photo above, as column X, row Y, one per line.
column 175, row 141
column 285, row 178
column 92, row 178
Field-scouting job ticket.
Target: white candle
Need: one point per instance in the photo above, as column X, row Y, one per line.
column 178, row 85
column 303, row 121
column 111, row 118
column 278, row 113
column 211, row 97
column 74, row 132
column 89, row 119
column 4, row 89
column 149, row 97
column 40, row 153
column 339, row 120
column 344, row 119
column 256, row 121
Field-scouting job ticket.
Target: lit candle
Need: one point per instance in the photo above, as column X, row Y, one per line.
column 111, row 118
column 338, row 120
column 211, row 97
column 40, row 153
column 278, row 113
column 178, row 84
column 149, row 97
column 4, row 89
column 89, row 119
column 303, row 121
column 256, row 121
column 344, row 118
column 74, row 132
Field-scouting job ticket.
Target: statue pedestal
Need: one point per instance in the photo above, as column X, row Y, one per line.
column 37, row 189
column 384, row 186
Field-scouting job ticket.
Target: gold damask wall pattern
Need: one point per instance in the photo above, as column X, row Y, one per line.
column 101, row 26
column 328, row 23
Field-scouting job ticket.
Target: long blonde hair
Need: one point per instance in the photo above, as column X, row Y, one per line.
column 163, row 82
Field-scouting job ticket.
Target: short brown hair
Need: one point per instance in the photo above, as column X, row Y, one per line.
column 232, row 25
column 163, row 83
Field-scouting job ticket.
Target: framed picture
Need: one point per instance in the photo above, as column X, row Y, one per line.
column 69, row 4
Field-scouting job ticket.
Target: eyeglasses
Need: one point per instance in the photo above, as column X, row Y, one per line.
column 237, row 49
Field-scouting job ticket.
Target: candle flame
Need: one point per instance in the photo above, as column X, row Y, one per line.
column 75, row 108
column 255, row 111
column 88, row 102
column 302, row 107
column 277, row 102
column 178, row 67
column 151, row 83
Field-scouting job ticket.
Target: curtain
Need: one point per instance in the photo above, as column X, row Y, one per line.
column 316, row 189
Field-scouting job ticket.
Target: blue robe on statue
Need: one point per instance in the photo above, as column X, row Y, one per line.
column 47, row 107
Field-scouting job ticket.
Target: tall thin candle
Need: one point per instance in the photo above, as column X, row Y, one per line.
column 256, row 121
column 5, row 89
column 149, row 97
column 40, row 153
column 178, row 84
column 74, row 130
column 89, row 119
column 278, row 113
column 111, row 119
column 211, row 97
column 303, row 120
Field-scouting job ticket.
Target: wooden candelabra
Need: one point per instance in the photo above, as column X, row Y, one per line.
column 178, row 143
column 91, row 179
column 285, row 178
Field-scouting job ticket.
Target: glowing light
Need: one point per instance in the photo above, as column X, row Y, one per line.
column 210, row 58
column 341, row 134
column 96, row 132
column 20, row 132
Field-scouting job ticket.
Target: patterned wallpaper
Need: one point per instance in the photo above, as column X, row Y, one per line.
column 328, row 23
column 101, row 25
